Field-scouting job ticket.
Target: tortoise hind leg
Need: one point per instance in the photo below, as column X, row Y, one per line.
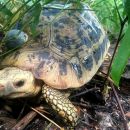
column 60, row 104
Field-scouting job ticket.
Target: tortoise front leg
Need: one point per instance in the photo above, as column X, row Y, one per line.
column 61, row 104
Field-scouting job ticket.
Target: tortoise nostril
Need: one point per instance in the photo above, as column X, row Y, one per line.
column 1, row 86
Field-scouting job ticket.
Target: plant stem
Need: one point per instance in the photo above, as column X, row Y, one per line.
column 117, row 44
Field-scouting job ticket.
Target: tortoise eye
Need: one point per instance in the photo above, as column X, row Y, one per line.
column 19, row 83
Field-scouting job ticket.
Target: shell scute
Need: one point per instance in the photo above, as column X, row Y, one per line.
column 64, row 34
column 77, row 69
column 63, row 67
column 86, row 41
column 104, row 44
column 71, row 46
column 88, row 63
column 97, row 53
column 50, row 12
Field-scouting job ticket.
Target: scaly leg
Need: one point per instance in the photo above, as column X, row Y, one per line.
column 60, row 104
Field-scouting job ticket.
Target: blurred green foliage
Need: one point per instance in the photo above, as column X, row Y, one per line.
column 12, row 10
column 123, row 53
column 107, row 14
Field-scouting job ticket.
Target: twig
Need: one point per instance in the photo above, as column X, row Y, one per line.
column 21, row 112
column 118, row 11
column 122, row 23
column 81, row 104
column 47, row 118
column 117, row 43
column 25, row 121
column 86, row 91
column 102, row 73
column 119, row 104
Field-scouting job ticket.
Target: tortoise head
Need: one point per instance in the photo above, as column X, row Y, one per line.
column 16, row 83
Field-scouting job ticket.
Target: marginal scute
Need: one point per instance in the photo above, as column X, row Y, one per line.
column 104, row 44
column 93, row 33
column 88, row 63
column 63, row 67
column 97, row 53
column 97, row 28
column 77, row 69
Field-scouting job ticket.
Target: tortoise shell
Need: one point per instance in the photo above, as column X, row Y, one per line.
column 69, row 49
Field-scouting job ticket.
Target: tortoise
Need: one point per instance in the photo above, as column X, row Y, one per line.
column 69, row 49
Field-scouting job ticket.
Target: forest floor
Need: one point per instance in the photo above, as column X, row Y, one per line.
column 96, row 103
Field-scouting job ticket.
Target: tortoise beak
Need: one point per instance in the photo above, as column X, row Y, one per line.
column 6, row 90
column 9, row 91
column 1, row 87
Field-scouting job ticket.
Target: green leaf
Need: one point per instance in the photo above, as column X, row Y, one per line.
column 121, row 58
column 5, row 10
column 35, row 19
column 127, row 8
